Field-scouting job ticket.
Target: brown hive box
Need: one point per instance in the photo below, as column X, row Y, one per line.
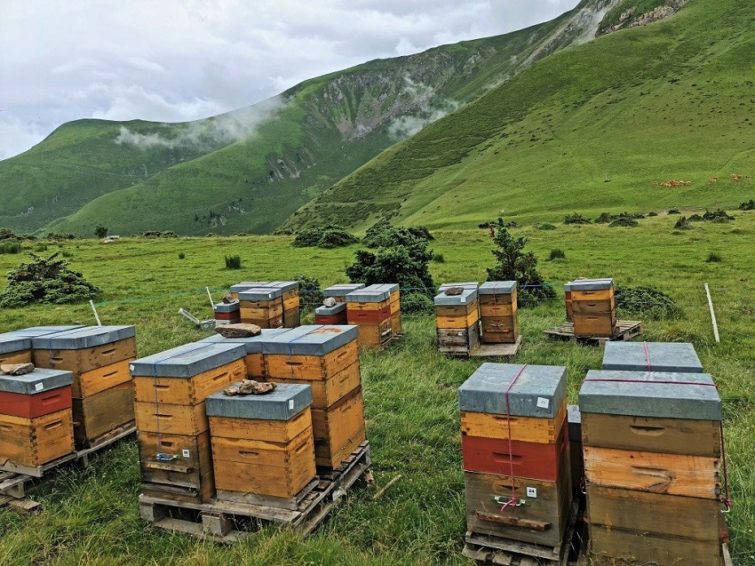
column 291, row 302
column 457, row 321
column 262, row 306
column 254, row 359
column 499, row 312
column 593, row 307
column 370, row 309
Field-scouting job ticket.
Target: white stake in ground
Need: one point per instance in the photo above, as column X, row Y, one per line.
column 94, row 310
column 712, row 315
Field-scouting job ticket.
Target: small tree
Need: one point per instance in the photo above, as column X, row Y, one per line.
column 514, row 264
column 310, row 293
column 101, row 231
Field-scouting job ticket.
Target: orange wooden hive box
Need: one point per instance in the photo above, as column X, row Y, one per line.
column 593, row 307
column 499, row 316
column 370, row 309
column 457, row 317
column 262, row 306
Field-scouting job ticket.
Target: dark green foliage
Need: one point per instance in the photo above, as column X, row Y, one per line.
column 719, row 215
column 232, row 262
column 40, row 248
column 6, row 234
column 714, row 257
column 624, row 221
column 557, row 254
column 10, row 247
column 696, row 218
column 310, row 293
column 576, row 218
column 158, row 234
column 383, row 234
column 324, row 237
column 66, row 253
column 45, row 281
column 652, row 213
column 546, row 226
column 604, row 218
column 416, row 303
column 674, row 211
column 181, row 255
column 57, row 237
column 100, row 231
column 438, row 258
column 513, row 263
column 682, row 224
column 747, row 205
column 647, row 302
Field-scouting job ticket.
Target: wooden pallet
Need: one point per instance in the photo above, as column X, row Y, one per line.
column 14, row 478
column 224, row 520
column 498, row 350
column 497, row 550
column 625, row 330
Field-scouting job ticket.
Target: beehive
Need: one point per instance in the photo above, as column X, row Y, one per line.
column 243, row 286
column 339, row 291
column 254, row 360
column 574, row 419
column 498, row 312
column 262, row 445
column 227, row 313
column 395, row 304
column 457, row 321
column 98, row 357
column 36, row 422
column 327, row 359
column 14, row 349
column 262, row 306
column 651, row 356
column 652, row 445
column 291, row 302
column 170, row 392
column 331, row 315
column 515, row 452
column 370, row 309
column 593, row 307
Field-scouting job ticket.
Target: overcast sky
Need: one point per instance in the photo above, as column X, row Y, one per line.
column 175, row 60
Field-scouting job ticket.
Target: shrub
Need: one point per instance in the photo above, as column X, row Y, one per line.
column 66, row 253
column 7, row 234
column 546, row 226
column 326, row 237
column 576, row 218
column 682, row 224
column 416, row 303
column 438, row 258
column 10, row 247
column 714, row 257
column 647, row 302
column 232, row 262
column 625, row 221
column 45, row 281
column 652, row 213
column 695, row 218
column 604, row 218
column 181, row 255
column 383, row 234
column 674, row 211
column 557, row 254
column 719, row 215
column 100, row 231
column 310, row 293
column 513, row 263
column 40, row 248
column 748, row 205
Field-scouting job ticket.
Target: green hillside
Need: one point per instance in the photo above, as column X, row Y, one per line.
column 247, row 171
column 590, row 129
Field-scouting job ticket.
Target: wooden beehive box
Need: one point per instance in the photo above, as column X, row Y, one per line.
column 339, row 291
column 515, row 449
column 98, row 357
column 499, row 312
column 370, row 309
column 291, row 302
column 227, row 313
column 16, row 345
column 170, row 392
column 593, row 306
column 254, row 360
column 264, row 444
column 394, row 298
column 36, row 422
column 677, row 357
column 262, row 306
column 568, row 302
column 327, row 358
column 243, row 286
column 331, row 315
column 457, row 321
column 653, row 447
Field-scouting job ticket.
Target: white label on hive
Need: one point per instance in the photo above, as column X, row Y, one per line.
column 185, row 453
column 39, row 386
column 131, row 368
column 463, row 300
column 543, row 403
column 291, row 404
column 532, row 492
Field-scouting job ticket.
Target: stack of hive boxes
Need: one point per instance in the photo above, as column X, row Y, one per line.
column 593, row 307
column 457, row 319
column 653, row 447
column 498, row 312
column 335, row 314
column 290, row 300
column 262, row 445
column 370, row 309
column 395, row 303
column 98, row 357
column 227, row 313
column 36, row 422
column 515, row 452
column 327, row 359
column 262, row 306
column 170, row 392
column 254, row 360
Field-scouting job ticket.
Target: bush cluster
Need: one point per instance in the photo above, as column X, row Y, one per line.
column 328, row 237
column 747, row 205
column 647, row 302
column 310, row 293
column 576, row 218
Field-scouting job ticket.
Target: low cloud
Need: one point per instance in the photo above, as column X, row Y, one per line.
column 428, row 109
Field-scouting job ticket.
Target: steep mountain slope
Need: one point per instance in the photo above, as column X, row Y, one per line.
column 250, row 169
column 593, row 128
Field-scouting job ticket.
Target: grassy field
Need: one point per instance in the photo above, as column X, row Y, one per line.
column 91, row 516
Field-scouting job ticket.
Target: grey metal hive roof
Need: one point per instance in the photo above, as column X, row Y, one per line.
column 312, row 340
column 342, row 289
column 651, row 356
column 244, row 285
column 84, row 337
column 260, row 294
column 497, row 288
column 14, row 343
column 590, row 284
column 283, row 285
column 335, row 309
column 390, row 287
column 283, row 404
column 188, row 360
column 35, row 382
column 367, row 295
column 253, row 344
column 34, row 331
column 539, row 391
column 227, row 307
column 651, row 394
column 466, row 285
column 465, row 297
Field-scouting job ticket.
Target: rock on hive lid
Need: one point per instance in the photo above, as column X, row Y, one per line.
column 84, row 337
column 14, row 343
column 227, row 307
column 260, row 294
column 497, row 288
column 465, row 297
column 35, row 382
column 283, row 285
column 590, row 284
column 651, row 356
column 368, row 295
column 311, row 340
column 538, row 391
column 466, row 285
column 253, row 344
column 283, row 404
column 35, row 331
column 342, row 289
column 651, row 394
column 335, row 309
column 188, row 360
column 244, row 285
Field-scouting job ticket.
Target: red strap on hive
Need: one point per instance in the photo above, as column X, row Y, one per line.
column 648, row 365
column 513, row 499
